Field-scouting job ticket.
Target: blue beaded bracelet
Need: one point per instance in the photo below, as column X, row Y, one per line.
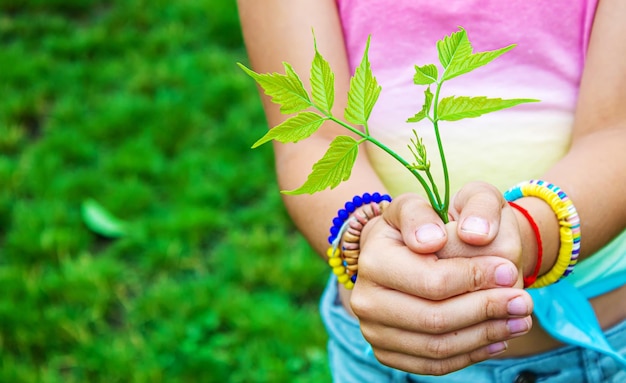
column 344, row 213
column 346, row 231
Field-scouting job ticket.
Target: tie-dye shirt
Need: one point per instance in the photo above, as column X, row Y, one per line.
column 504, row 147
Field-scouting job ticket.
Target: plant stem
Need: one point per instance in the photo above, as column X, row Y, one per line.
column 443, row 213
column 435, row 190
column 446, row 179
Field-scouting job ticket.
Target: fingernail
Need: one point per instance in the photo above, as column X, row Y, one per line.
column 428, row 232
column 475, row 225
column 517, row 306
column 518, row 326
column 505, row 275
column 497, row 348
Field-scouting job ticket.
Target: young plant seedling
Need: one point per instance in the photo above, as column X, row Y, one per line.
column 456, row 58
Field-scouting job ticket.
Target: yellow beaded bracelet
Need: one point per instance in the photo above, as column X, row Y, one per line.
column 569, row 222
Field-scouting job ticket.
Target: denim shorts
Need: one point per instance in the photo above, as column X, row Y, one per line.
column 351, row 361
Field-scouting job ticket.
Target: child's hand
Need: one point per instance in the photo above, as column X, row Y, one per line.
column 429, row 315
column 482, row 223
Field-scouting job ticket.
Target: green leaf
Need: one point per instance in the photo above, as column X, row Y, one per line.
column 457, row 108
column 363, row 93
column 333, row 168
column 473, row 61
column 322, row 82
column 419, row 116
column 100, row 221
column 285, row 89
column 425, row 75
column 293, row 129
column 422, row 114
column 453, row 48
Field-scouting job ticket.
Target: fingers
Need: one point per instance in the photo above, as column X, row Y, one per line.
column 422, row 229
column 437, row 337
column 420, row 315
column 423, row 353
column 507, row 244
column 447, row 345
column 385, row 261
column 438, row 363
column 476, row 208
column 426, row 366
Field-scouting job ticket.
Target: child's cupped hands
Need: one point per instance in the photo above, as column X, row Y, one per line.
column 433, row 298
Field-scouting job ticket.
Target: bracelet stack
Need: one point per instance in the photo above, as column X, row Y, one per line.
column 569, row 226
column 345, row 234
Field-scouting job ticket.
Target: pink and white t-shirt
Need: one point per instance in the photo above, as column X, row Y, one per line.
column 504, row 147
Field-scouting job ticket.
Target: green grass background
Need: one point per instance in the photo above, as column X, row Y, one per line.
column 139, row 104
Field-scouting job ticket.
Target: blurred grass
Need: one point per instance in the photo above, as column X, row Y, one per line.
column 139, row 105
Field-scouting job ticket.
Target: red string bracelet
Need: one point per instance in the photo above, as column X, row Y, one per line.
column 529, row 280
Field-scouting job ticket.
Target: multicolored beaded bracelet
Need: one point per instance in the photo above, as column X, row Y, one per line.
column 569, row 226
column 345, row 234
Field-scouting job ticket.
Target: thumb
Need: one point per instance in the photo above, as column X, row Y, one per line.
column 421, row 228
column 477, row 208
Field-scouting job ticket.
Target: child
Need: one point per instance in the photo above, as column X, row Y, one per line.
column 449, row 299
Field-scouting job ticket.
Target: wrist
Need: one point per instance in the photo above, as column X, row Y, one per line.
column 346, row 231
column 548, row 226
column 563, row 242
column 530, row 242
column 529, row 245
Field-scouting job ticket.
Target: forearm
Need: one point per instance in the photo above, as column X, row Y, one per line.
column 592, row 176
column 593, row 173
column 281, row 31
column 313, row 214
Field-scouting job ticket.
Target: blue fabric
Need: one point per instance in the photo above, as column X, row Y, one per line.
column 563, row 309
column 604, row 271
column 568, row 316
column 351, row 362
